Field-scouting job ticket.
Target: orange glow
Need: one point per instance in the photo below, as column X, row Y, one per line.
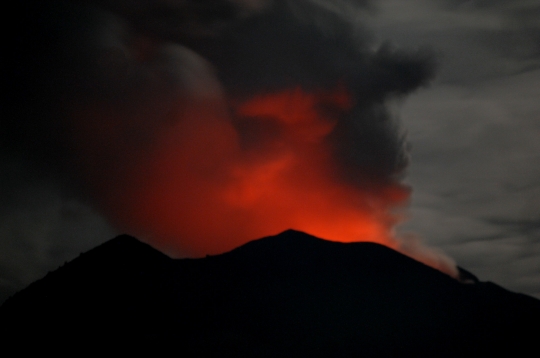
column 199, row 192
column 188, row 176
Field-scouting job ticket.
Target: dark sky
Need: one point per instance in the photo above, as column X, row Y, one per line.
column 460, row 78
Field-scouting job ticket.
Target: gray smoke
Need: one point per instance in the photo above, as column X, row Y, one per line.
column 93, row 85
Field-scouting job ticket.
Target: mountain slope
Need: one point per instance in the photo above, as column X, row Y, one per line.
column 287, row 295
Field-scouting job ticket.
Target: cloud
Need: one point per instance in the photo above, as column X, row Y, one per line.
column 476, row 185
column 112, row 62
column 98, row 87
column 473, row 43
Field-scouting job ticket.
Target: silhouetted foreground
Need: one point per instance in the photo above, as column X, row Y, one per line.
column 291, row 295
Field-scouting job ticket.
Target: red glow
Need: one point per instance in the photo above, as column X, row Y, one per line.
column 193, row 175
column 200, row 193
column 179, row 175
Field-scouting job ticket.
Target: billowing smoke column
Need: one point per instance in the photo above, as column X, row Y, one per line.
column 201, row 125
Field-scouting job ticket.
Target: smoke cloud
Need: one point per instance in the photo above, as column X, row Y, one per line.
column 200, row 125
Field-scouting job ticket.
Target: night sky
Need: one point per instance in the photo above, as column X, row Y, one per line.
column 443, row 101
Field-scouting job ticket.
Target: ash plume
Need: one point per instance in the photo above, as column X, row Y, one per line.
column 199, row 125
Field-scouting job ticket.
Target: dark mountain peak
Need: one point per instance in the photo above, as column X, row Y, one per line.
column 119, row 256
column 289, row 242
column 286, row 295
column 123, row 240
column 108, row 268
column 293, row 251
column 125, row 247
column 295, row 244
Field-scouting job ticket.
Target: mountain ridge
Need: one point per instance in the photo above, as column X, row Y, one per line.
column 289, row 294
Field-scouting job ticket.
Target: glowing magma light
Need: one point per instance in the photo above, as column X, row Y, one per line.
column 203, row 191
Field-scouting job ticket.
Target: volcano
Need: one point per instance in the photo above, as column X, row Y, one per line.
column 291, row 295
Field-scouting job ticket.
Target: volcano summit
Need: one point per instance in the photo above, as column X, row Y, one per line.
column 287, row 295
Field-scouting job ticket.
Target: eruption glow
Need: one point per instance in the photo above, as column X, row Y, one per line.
column 198, row 141
column 201, row 192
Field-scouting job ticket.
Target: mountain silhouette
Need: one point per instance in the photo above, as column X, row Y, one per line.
column 290, row 295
